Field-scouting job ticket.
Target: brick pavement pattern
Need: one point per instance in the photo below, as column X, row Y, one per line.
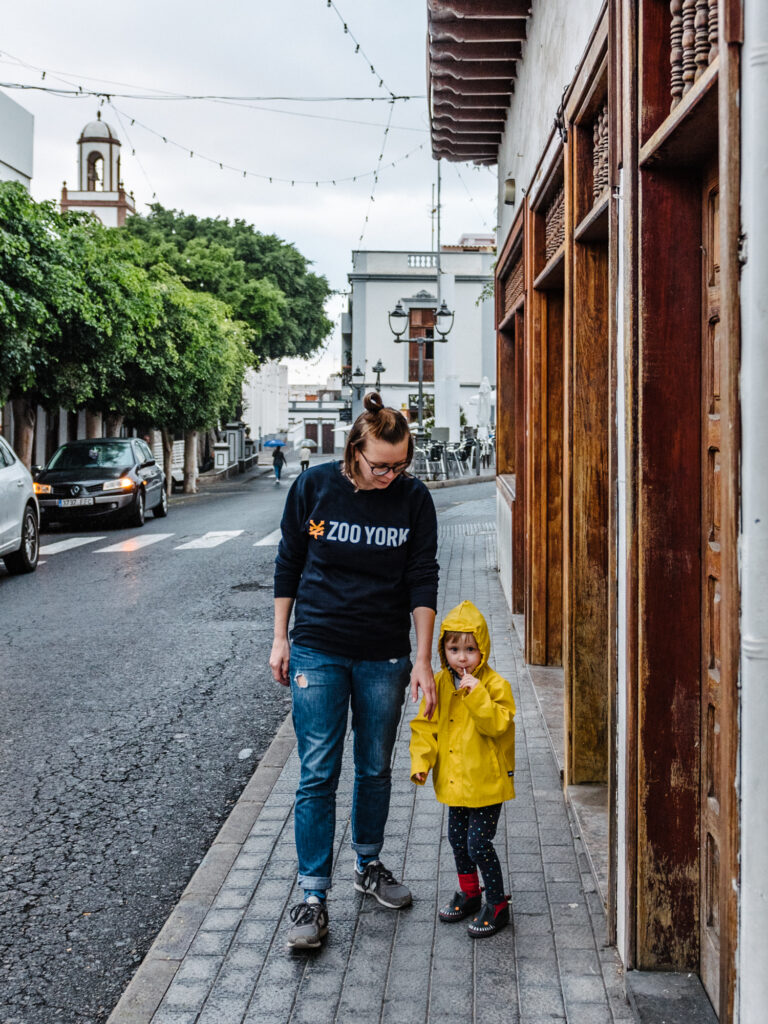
column 226, row 961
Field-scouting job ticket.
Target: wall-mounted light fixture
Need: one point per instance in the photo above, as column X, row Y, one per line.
column 560, row 122
column 510, row 190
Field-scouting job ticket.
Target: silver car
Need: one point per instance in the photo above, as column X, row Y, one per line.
column 19, row 514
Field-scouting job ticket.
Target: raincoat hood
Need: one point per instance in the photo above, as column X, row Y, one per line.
column 466, row 618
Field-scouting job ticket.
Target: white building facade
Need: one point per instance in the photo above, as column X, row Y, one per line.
column 265, row 400
column 17, row 128
column 452, row 371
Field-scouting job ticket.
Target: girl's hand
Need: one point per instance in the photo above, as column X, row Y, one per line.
column 420, row 776
column 468, row 682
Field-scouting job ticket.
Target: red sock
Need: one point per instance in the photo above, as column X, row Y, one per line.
column 469, row 884
column 498, row 907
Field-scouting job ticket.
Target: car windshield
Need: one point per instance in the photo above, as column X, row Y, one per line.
column 86, row 456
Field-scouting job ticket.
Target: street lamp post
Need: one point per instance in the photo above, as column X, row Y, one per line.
column 398, row 324
column 357, row 381
column 378, row 369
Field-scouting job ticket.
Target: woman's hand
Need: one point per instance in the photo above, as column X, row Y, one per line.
column 423, row 679
column 468, row 682
column 279, row 660
column 420, row 777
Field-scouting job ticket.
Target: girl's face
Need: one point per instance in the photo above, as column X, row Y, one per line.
column 374, row 456
column 462, row 652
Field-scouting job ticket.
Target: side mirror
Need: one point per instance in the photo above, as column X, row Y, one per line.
column 148, row 463
column 35, row 471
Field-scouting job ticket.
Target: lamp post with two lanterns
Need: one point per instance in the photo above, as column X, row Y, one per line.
column 398, row 324
column 357, row 379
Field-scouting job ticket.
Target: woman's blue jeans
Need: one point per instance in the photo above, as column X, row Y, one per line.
column 323, row 687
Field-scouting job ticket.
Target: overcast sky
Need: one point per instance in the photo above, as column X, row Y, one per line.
column 256, row 48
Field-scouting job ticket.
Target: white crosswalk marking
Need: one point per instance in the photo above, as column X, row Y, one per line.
column 134, row 543
column 271, row 539
column 212, row 539
column 65, row 545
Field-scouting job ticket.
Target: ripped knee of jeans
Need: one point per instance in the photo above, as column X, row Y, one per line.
column 301, row 680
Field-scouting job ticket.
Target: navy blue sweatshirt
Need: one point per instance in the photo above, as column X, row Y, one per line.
column 357, row 562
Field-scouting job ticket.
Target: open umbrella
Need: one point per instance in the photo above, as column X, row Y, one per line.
column 307, row 443
column 274, row 444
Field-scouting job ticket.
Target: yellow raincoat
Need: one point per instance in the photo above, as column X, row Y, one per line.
column 470, row 741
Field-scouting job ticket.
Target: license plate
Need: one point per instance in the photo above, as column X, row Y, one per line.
column 73, row 502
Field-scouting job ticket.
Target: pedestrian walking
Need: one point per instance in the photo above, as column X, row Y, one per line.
column 278, row 461
column 469, row 744
column 357, row 558
column 304, row 455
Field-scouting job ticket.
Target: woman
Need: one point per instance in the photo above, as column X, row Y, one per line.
column 278, row 461
column 356, row 558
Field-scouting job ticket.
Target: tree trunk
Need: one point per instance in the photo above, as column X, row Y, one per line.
column 93, row 424
column 190, row 462
column 167, row 459
column 24, row 417
column 114, row 424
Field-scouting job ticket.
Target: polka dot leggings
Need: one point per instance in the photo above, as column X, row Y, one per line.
column 470, row 833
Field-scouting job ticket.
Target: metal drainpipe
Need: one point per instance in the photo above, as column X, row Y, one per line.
column 752, row 998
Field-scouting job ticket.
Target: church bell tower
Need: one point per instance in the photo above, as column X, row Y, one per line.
column 100, row 189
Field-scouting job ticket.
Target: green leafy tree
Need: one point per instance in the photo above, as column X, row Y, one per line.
column 201, row 383
column 266, row 282
column 43, row 294
column 115, row 355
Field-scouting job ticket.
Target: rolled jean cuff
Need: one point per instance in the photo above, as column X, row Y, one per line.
column 314, row 882
column 367, row 849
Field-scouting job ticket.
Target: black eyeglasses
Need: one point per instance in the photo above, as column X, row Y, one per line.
column 379, row 470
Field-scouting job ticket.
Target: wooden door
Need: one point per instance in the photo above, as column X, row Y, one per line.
column 711, row 694
column 327, row 443
column 310, row 431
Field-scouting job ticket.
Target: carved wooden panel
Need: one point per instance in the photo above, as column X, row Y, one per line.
column 554, row 224
column 711, row 595
column 600, row 153
column 513, row 286
column 693, row 43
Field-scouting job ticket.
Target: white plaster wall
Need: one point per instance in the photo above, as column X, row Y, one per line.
column 504, row 546
column 265, row 399
column 17, row 128
column 106, row 214
column 558, row 33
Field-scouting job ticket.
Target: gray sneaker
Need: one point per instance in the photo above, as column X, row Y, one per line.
column 310, row 924
column 382, row 885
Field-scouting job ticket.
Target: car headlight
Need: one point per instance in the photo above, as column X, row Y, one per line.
column 124, row 483
column 42, row 488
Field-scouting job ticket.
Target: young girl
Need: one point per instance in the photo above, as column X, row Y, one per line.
column 470, row 744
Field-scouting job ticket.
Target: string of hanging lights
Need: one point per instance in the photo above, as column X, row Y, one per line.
column 358, row 48
column 271, row 178
column 371, row 198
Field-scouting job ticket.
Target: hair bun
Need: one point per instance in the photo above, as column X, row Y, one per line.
column 373, row 402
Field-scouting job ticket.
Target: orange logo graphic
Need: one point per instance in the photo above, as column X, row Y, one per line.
column 316, row 529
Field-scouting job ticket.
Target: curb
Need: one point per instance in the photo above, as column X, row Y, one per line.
column 146, row 989
column 459, row 481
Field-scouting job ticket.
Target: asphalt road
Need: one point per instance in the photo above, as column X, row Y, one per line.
column 136, row 702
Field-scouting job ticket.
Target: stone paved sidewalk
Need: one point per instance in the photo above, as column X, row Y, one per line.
column 221, row 959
